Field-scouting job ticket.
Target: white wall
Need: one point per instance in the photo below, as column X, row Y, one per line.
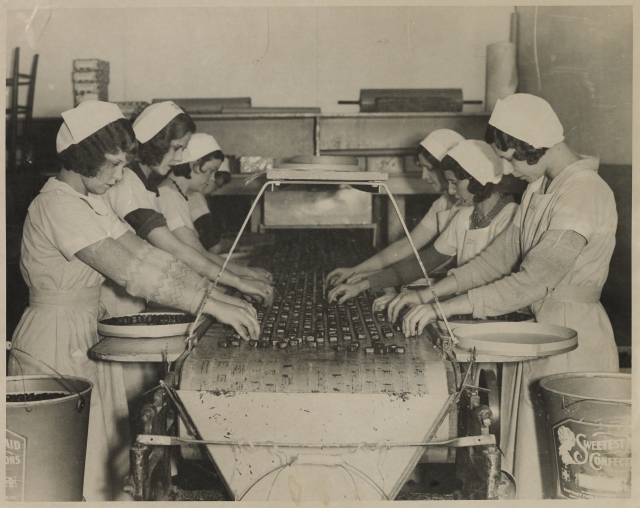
column 286, row 56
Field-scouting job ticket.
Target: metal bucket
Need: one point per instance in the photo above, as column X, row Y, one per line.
column 47, row 440
column 589, row 434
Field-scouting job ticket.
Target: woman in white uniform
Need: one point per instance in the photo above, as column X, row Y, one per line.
column 209, row 230
column 200, row 160
column 163, row 130
column 473, row 172
column 430, row 153
column 471, row 168
column 71, row 241
column 554, row 257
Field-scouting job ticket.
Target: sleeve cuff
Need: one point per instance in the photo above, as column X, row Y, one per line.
column 155, row 221
column 197, row 301
column 477, row 303
column 464, row 279
column 204, row 283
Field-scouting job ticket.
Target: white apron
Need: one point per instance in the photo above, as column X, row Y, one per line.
column 444, row 217
column 475, row 241
column 60, row 325
column 59, row 328
column 572, row 305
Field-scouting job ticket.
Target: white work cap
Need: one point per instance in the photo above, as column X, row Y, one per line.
column 199, row 146
column 507, row 167
column 439, row 142
column 529, row 119
column 154, row 118
column 479, row 160
column 85, row 119
column 224, row 167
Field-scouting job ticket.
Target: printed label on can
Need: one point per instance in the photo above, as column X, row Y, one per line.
column 15, row 467
column 594, row 460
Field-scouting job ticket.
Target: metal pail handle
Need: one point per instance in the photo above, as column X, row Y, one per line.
column 81, row 401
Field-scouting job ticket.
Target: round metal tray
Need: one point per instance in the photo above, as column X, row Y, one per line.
column 457, row 321
column 144, row 330
column 516, row 339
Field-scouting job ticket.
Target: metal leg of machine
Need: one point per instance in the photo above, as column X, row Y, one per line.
column 478, row 466
column 151, row 465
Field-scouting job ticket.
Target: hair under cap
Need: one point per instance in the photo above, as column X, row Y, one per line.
column 479, row 160
column 154, row 118
column 85, row 119
column 528, row 118
column 440, row 141
column 199, row 146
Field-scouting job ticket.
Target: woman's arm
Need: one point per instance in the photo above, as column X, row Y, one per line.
column 394, row 253
column 542, row 269
column 163, row 260
column 147, row 280
column 419, row 317
column 408, row 270
column 165, row 240
column 499, row 258
column 398, row 250
column 396, row 275
column 207, row 231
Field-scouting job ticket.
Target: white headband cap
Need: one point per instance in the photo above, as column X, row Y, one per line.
column 85, row 119
column 224, row 167
column 154, row 118
column 439, row 142
column 528, row 118
column 199, row 146
column 479, row 160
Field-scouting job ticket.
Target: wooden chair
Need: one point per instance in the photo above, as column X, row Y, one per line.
column 19, row 116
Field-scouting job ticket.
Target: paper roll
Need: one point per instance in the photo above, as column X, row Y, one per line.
column 502, row 73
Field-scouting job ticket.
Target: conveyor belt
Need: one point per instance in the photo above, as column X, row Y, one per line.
column 308, row 345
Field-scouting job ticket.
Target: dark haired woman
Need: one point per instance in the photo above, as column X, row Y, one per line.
column 554, row 258
column 201, row 158
column 163, row 131
column 71, row 242
column 473, row 172
column 430, row 153
column 209, row 229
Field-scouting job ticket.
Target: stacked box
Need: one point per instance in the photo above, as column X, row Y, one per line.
column 90, row 80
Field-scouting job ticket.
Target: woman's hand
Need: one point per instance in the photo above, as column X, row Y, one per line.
column 244, row 323
column 257, row 290
column 406, row 299
column 417, row 318
column 232, row 300
column 379, row 304
column 259, row 274
column 347, row 291
column 358, row 276
column 338, row 276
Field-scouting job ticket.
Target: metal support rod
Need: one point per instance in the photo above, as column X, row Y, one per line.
column 181, row 412
column 460, row 442
column 316, row 136
column 415, row 252
column 362, row 183
column 226, row 261
column 453, row 399
column 139, row 455
column 491, row 465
